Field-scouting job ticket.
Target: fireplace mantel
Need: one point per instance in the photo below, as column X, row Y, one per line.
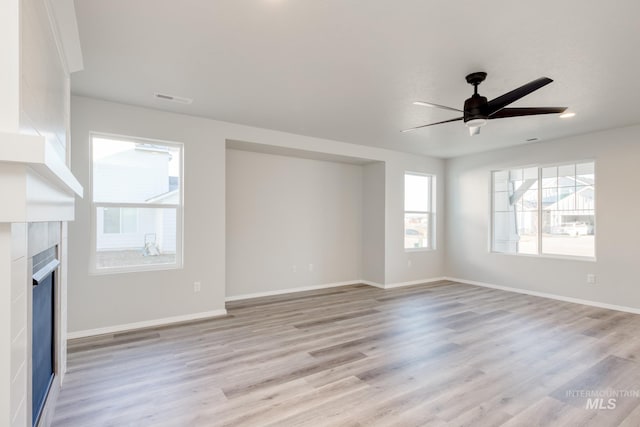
column 35, row 183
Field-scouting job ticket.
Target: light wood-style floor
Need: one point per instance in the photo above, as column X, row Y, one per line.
column 428, row 355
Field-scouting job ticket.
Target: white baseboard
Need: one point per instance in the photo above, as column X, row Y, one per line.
column 331, row 285
column 548, row 295
column 413, row 282
column 292, row 290
column 146, row 324
column 217, row 313
column 374, row 284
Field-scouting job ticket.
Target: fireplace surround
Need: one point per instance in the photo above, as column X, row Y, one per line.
column 40, row 193
column 41, row 48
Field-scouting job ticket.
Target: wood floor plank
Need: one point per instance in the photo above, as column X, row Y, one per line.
column 438, row 354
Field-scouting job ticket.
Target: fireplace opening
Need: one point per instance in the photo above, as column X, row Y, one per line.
column 43, row 343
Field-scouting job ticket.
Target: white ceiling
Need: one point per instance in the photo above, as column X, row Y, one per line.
column 349, row 70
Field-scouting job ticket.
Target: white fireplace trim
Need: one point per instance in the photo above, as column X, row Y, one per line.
column 34, row 151
column 36, row 180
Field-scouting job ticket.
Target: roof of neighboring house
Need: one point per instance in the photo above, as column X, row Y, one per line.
column 171, row 195
column 585, row 192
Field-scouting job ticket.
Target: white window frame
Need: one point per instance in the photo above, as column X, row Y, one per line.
column 431, row 238
column 541, row 254
column 179, row 207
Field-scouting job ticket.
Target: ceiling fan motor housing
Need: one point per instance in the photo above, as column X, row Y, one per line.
column 475, row 108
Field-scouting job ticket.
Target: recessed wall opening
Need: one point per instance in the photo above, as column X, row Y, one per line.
column 298, row 218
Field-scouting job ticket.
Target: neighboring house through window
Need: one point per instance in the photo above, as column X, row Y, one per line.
column 137, row 204
column 418, row 211
column 547, row 210
column 120, row 220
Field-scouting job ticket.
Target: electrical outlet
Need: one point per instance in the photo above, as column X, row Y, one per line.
column 294, row 268
column 409, row 263
column 310, row 267
column 197, row 286
column 591, row 279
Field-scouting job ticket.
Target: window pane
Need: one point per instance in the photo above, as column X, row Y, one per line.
column 515, row 226
column 527, row 242
column 129, row 220
column 416, row 192
column 416, row 231
column 110, row 219
column 566, row 176
column 500, row 179
column 504, row 232
column 515, row 175
column 569, row 224
column 501, row 201
column 148, row 238
column 134, row 172
column 569, row 233
column 549, row 197
column 585, row 198
column 566, row 199
column 550, row 177
column 585, row 173
column 530, row 200
column 531, row 173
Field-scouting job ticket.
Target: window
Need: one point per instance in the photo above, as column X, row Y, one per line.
column 137, row 204
column 418, row 212
column 545, row 210
column 120, row 220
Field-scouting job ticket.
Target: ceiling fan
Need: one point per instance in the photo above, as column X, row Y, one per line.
column 477, row 110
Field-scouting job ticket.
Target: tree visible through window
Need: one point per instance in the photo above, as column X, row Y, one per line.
column 545, row 210
column 137, row 203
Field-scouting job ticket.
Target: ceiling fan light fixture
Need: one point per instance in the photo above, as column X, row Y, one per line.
column 567, row 115
column 475, row 123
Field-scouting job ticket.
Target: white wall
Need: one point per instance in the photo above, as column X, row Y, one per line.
column 373, row 222
column 101, row 301
column 117, row 300
column 285, row 213
column 616, row 153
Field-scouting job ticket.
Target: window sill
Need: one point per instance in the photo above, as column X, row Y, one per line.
column 419, row 249
column 135, row 269
column 548, row 256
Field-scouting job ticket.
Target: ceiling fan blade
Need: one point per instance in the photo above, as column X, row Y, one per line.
column 474, row 130
column 502, row 101
column 432, row 105
column 432, row 124
column 517, row 112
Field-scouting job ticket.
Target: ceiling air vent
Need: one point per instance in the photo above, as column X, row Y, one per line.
column 178, row 99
